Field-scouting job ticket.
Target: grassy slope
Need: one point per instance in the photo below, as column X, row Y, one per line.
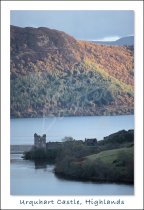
column 119, row 163
column 107, row 166
column 109, row 156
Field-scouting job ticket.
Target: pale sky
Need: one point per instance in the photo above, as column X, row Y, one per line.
column 84, row 25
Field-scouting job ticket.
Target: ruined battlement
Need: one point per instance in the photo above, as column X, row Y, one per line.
column 40, row 141
column 91, row 142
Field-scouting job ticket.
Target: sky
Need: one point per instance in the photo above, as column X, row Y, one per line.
column 100, row 25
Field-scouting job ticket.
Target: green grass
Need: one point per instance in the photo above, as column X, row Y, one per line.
column 108, row 166
column 111, row 155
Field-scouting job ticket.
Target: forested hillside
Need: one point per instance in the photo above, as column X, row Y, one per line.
column 54, row 74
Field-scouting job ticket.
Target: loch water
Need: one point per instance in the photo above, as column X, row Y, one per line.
column 29, row 178
column 56, row 128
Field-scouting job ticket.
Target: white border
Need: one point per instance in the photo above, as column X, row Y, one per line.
column 12, row 202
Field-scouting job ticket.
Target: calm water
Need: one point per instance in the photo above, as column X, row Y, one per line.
column 56, row 128
column 30, row 179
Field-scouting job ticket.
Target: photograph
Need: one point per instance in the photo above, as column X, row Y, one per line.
column 72, row 102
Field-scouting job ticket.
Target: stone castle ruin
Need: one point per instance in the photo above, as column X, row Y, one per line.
column 91, row 142
column 40, row 141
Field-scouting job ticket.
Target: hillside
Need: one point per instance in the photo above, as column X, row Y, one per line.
column 110, row 166
column 110, row 160
column 115, row 165
column 52, row 73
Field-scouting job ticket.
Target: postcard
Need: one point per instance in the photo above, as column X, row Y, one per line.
column 72, row 105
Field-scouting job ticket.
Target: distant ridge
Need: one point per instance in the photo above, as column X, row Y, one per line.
column 124, row 41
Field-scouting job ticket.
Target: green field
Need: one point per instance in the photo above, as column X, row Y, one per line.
column 112, row 165
column 108, row 166
column 109, row 156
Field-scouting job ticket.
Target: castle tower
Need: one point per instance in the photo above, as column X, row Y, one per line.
column 40, row 141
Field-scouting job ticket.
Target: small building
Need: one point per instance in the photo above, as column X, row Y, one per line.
column 40, row 141
column 91, row 142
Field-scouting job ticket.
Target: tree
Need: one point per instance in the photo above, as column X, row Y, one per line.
column 67, row 138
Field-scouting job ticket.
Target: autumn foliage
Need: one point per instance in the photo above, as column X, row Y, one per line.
column 54, row 74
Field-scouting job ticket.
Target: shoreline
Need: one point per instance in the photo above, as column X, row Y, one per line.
column 94, row 180
column 66, row 116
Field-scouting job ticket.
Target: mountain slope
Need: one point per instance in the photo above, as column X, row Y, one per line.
column 127, row 41
column 54, row 74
